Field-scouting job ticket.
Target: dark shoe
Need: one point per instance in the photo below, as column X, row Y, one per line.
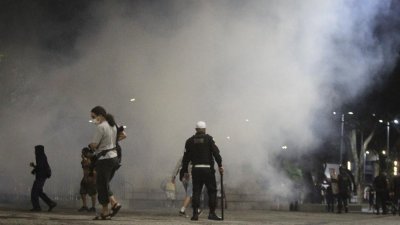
column 213, row 216
column 83, row 209
column 51, row 206
column 36, row 210
column 115, row 209
column 93, row 209
column 195, row 217
column 346, row 210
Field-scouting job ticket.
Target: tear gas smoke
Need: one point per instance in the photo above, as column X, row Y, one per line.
column 266, row 73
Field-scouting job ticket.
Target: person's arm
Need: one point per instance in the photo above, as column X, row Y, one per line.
column 96, row 138
column 217, row 156
column 186, row 159
column 178, row 166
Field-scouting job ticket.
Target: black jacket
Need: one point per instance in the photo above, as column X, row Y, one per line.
column 200, row 149
column 42, row 168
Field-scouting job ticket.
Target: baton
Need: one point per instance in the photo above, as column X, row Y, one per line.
column 222, row 196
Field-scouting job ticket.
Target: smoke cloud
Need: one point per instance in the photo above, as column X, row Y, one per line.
column 263, row 73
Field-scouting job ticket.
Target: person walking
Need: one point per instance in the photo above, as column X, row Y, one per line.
column 201, row 151
column 42, row 172
column 344, row 184
column 104, row 146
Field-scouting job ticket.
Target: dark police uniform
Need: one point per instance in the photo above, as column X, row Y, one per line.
column 201, row 150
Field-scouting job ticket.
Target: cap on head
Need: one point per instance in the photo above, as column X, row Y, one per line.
column 201, row 125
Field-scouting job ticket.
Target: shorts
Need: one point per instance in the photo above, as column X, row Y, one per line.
column 88, row 188
column 188, row 185
column 170, row 195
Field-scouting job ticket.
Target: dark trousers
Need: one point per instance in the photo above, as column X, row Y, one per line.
column 330, row 202
column 105, row 170
column 381, row 198
column 343, row 199
column 204, row 176
column 37, row 191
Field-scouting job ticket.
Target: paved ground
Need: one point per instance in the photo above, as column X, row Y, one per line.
column 165, row 217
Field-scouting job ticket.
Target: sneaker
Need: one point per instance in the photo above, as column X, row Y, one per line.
column 51, row 206
column 182, row 213
column 93, row 209
column 213, row 216
column 83, row 209
column 199, row 211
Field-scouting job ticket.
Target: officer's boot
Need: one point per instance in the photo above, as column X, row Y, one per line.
column 195, row 214
column 213, row 216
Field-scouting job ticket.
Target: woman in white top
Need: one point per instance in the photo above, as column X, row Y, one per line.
column 104, row 145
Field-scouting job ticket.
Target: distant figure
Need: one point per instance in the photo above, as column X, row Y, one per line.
column 201, row 150
column 382, row 192
column 88, row 183
column 396, row 192
column 344, row 183
column 42, row 171
column 369, row 194
column 169, row 189
column 187, row 185
column 334, row 184
column 330, row 200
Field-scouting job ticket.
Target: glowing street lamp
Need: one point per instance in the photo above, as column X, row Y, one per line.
column 132, row 100
column 284, row 147
column 383, row 152
column 342, row 135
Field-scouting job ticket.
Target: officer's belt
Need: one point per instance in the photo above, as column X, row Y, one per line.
column 202, row 166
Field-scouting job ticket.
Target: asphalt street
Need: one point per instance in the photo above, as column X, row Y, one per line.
column 168, row 216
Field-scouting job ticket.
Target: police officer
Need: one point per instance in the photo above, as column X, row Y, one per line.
column 200, row 150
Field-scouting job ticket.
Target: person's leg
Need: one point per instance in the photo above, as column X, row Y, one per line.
column 93, row 197
column 384, row 200
column 92, row 192
column 35, row 195
column 345, row 203
column 378, row 202
column 43, row 195
column 197, row 186
column 340, row 202
column 102, row 183
column 84, row 202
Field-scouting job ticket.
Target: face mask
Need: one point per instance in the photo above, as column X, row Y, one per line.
column 96, row 121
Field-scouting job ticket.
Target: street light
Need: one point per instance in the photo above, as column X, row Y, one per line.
column 388, row 133
column 284, row 147
column 342, row 135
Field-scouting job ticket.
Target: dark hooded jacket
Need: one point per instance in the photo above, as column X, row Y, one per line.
column 42, row 168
